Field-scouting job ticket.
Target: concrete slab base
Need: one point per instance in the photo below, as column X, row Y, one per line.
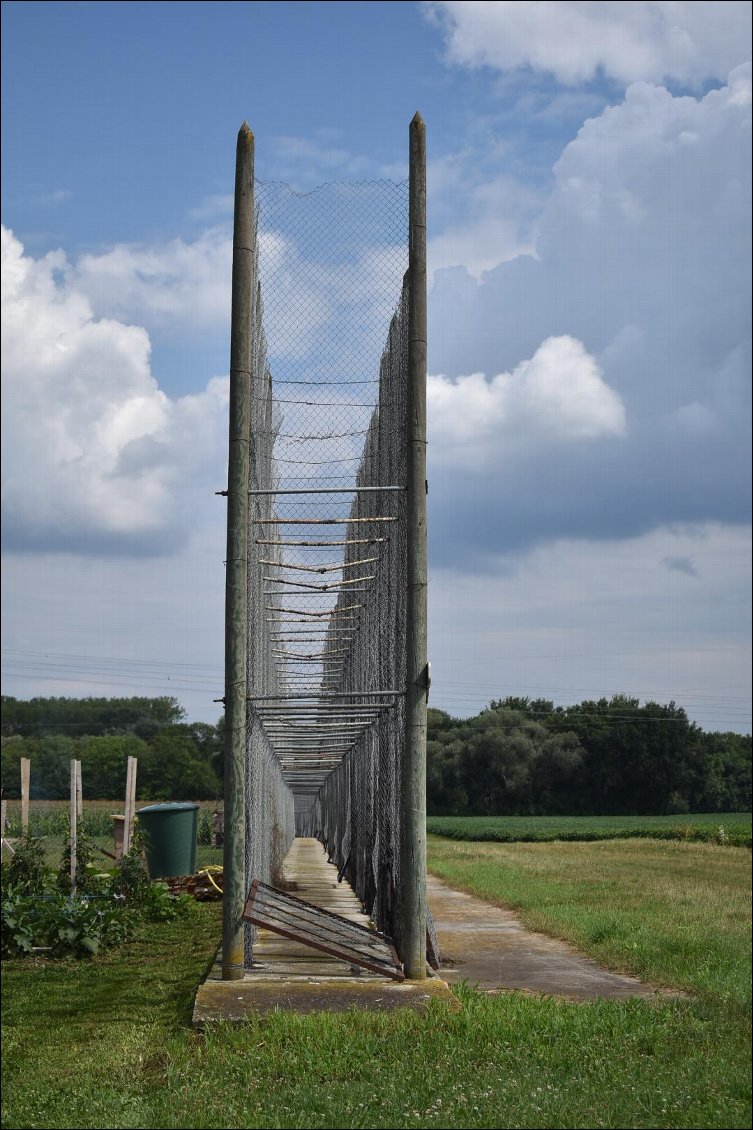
column 290, row 992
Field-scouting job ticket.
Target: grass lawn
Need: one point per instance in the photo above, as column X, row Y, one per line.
column 106, row 1043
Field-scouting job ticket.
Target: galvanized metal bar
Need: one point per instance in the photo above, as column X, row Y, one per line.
column 310, row 587
column 293, row 728
column 325, row 694
column 277, row 620
column 321, row 568
column 323, row 490
column 318, row 521
column 318, row 544
column 329, row 592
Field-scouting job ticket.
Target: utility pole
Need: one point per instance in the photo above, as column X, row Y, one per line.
column 236, row 577
column 413, row 775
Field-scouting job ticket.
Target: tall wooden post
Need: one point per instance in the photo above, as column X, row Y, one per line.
column 75, row 765
column 130, row 803
column 25, row 782
column 413, row 776
column 79, row 792
column 236, row 577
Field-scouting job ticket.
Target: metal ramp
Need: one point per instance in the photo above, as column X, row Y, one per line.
column 313, row 926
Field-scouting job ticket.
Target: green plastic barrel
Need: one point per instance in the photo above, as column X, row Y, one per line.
column 170, row 831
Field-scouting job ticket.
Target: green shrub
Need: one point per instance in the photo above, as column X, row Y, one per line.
column 131, row 884
column 27, row 871
column 204, row 827
column 85, row 869
column 158, row 905
column 130, row 880
column 37, row 917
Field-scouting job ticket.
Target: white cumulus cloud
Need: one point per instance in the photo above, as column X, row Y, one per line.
column 95, row 455
column 642, row 254
column 177, row 284
column 634, row 40
column 556, row 396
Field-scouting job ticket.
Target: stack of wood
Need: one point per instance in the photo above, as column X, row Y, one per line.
column 200, row 886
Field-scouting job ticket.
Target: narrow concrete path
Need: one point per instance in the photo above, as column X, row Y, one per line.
column 294, row 977
column 491, row 949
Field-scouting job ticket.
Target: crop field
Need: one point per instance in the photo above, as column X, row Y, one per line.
column 51, row 818
column 707, row 827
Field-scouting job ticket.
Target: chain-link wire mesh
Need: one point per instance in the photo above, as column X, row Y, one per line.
column 327, row 540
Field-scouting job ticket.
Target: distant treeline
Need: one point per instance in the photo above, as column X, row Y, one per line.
column 524, row 757
column 519, row 756
column 177, row 760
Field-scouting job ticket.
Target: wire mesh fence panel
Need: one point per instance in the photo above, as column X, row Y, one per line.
column 327, row 536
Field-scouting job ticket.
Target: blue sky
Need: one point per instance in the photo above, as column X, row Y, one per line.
column 589, row 212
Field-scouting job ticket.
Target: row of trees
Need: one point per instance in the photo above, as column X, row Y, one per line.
column 528, row 757
column 177, row 760
column 519, row 755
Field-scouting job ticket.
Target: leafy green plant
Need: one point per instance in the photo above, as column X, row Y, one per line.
column 61, row 926
column 204, row 827
column 27, row 870
column 16, row 924
column 158, row 905
column 131, row 883
column 131, row 880
column 82, row 927
column 85, row 870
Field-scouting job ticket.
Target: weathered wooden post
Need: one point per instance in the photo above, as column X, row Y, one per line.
column 3, row 825
column 79, row 792
column 236, row 576
column 75, row 788
column 413, row 776
column 130, row 803
column 25, row 780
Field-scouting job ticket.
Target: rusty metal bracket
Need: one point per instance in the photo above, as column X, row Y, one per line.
column 322, row 930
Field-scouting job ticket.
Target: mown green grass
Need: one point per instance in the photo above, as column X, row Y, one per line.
column 678, row 914
column 714, row 827
column 107, row 1043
